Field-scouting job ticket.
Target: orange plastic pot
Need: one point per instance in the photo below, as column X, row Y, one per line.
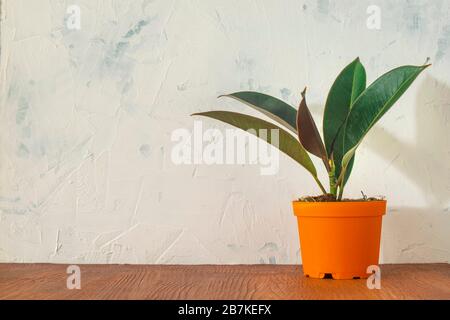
column 339, row 239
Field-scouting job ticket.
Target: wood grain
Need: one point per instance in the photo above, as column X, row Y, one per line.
column 44, row 281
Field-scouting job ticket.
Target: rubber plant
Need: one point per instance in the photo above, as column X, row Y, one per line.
column 338, row 237
column 351, row 110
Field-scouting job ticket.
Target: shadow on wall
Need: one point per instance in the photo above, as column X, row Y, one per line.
column 409, row 233
column 414, row 235
column 426, row 162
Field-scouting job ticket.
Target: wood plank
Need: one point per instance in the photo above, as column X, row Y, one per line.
column 45, row 281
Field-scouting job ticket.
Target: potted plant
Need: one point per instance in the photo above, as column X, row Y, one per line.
column 338, row 237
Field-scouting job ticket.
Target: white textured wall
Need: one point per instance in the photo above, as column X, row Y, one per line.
column 86, row 118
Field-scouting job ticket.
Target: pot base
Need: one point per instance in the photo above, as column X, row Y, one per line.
column 337, row 276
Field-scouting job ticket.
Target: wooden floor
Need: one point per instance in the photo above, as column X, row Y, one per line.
column 37, row 281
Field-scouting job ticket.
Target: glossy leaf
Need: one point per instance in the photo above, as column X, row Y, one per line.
column 272, row 107
column 372, row 104
column 349, row 169
column 287, row 143
column 338, row 155
column 308, row 134
column 349, row 84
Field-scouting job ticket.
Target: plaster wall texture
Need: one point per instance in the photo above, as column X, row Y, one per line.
column 86, row 118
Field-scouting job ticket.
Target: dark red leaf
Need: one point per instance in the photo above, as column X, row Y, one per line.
column 308, row 134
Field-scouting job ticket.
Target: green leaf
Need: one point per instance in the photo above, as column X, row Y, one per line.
column 287, row 143
column 349, row 84
column 308, row 134
column 372, row 104
column 274, row 108
column 338, row 155
column 348, row 170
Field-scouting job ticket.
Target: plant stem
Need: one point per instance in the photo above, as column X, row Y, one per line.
column 320, row 185
column 332, row 176
column 341, row 192
column 341, row 183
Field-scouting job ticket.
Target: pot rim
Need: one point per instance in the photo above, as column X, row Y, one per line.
column 340, row 209
column 338, row 202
